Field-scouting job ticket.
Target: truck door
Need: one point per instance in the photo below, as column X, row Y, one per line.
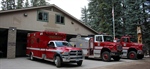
column 125, row 43
column 51, row 50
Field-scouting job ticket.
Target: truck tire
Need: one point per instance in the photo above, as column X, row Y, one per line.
column 31, row 56
column 106, row 56
column 140, row 56
column 79, row 63
column 58, row 61
column 132, row 55
column 116, row 58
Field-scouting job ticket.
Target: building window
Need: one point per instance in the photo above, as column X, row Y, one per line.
column 60, row 19
column 42, row 16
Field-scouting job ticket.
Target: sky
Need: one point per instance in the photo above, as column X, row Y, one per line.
column 73, row 7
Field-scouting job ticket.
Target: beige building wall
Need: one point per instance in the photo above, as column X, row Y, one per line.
column 17, row 19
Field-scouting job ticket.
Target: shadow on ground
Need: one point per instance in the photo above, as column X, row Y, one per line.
column 68, row 65
column 96, row 59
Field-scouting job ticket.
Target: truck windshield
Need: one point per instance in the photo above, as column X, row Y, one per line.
column 108, row 38
column 61, row 44
column 133, row 39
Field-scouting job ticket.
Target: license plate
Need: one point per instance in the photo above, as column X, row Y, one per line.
column 77, row 59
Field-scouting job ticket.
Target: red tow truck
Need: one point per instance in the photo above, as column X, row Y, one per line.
column 131, row 50
column 51, row 46
column 99, row 46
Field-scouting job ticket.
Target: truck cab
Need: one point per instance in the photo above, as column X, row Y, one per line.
column 65, row 52
column 131, row 49
column 113, row 49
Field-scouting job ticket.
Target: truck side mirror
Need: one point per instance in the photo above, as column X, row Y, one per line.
column 49, row 45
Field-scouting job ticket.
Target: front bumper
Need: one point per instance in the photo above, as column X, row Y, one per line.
column 140, row 52
column 72, row 58
column 116, row 53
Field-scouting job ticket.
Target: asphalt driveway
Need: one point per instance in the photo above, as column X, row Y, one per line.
column 25, row 63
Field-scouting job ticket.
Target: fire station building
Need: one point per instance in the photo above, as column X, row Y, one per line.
column 15, row 24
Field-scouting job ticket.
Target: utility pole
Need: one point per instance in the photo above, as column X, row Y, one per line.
column 124, row 14
column 113, row 19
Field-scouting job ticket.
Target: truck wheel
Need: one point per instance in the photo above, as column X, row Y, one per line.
column 140, row 56
column 116, row 58
column 79, row 63
column 58, row 61
column 31, row 56
column 106, row 56
column 132, row 55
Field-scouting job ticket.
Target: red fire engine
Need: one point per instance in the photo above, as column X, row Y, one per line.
column 131, row 49
column 52, row 46
column 99, row 46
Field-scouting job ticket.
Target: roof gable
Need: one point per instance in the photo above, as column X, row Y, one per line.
column 50, row 6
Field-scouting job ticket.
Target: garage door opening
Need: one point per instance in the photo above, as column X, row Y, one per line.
column 21, row 43
column 3, row 42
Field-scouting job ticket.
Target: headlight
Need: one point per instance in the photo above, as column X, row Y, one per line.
column 65, row 53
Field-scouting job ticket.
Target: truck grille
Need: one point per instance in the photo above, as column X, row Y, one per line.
column 78, row 53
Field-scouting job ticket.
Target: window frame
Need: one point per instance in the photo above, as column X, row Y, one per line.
column 38, row 11
column 60, row 19
column 49, row 44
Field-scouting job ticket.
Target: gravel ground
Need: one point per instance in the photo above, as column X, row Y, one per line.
column 137, row 64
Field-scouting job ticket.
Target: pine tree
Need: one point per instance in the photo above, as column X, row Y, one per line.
column 11, row 4
column 132, row 16
column 118, row 18
column 27, row 3
column 146, row 25
column 100, row 15
column 4, row 5
column 84, row 16
column 42, row 3
column 93, row 14
column 8, row 4
column 20, row 4
column 35, row 3
column 127, row 15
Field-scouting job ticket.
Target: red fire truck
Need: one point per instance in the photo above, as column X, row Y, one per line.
column 99, row 46
column 52, row 46
column 131, row 50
